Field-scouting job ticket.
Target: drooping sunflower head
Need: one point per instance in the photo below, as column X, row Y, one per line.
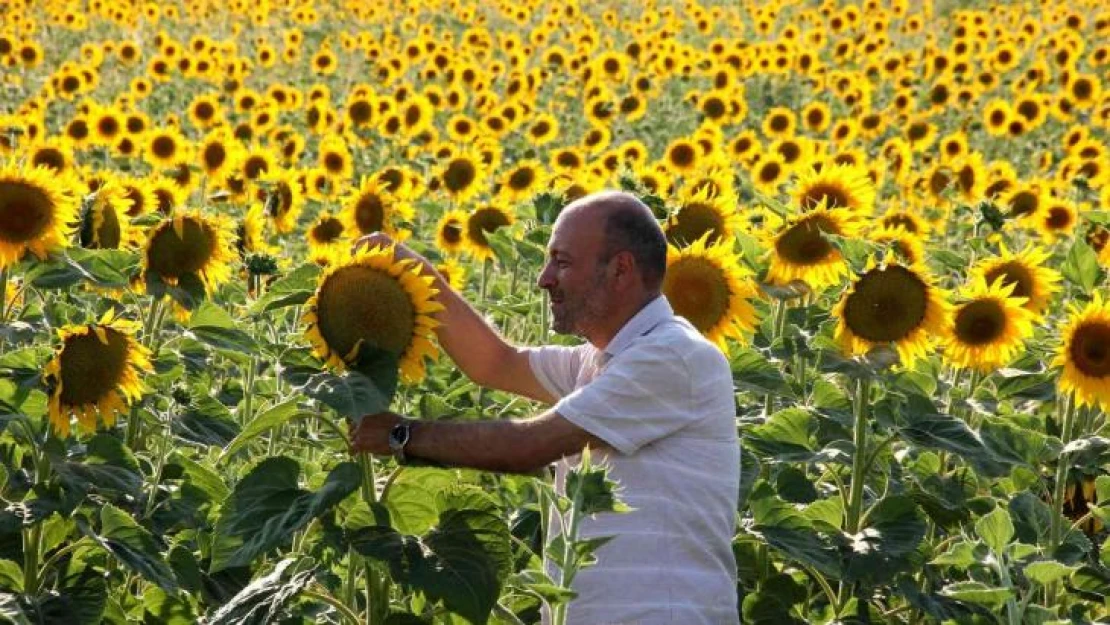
column 190, row 245
column 95, row 373
column 837, row 186
column 802, row 250
column 706, row 285
column 372, row 301
column 1027, row 271
column 701, row 214
column 482, row 221
column 451, row 232
column 38, row 212
column 989, row 328
column 250, row 233
column 104, row 220
column 280, row 193
column 371, row 208
column 891, row 304
column 1084, row 354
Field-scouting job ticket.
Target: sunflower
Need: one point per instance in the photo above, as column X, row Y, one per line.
column 280, row 194
column 906, row 220
column 218, row 153
column 891, row 303
column 543, row 129
column 335, row 159
column 682, row 157
column 1058, row 219
column 104, row 223
column 779, row 122
column 55, row 154
column 450, row 232
column 988, row 330
column 801, row 249
column 139, row 194
column 372, row 300
column 250, row 233
column 906, row 247
column 107, row 125
column 190, row 245
column 837, row 187
column 204, row 112
column 768, row 172
column 370, row 208
column 326, row 238
column 706, row 284
column 164, row 147
column 702, row 214
column 95, row 373
column 37, row 212
column 481, row 222
column 522, row 181
column 454, row 273
column 1027, row 271
column 463, row 175
column 1084, row 354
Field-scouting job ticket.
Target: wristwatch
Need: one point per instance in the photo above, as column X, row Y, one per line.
column 399, row 436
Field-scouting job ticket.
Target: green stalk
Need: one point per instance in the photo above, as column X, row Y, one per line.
column 343, row 610
column 369, row 490
column 32, row 555
column 159, row 466
column 859, row 459
column 4, row 295
column 1054, row 528
column 485, row 280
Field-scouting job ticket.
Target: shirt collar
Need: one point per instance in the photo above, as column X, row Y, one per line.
column 651, row 315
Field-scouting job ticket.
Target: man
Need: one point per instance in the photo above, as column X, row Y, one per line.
column 646, row 392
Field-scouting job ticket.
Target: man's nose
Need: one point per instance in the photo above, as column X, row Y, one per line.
column 546, row 278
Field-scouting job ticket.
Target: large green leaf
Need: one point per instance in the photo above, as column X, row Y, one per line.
column 753, row 371
column 206, row 422
column 1015, row 444
column 108, row 468
column 106, row 268
column 293, row 289
column 351, row 394
column 462, row 561
column 995, row 529
column 1081, row 266
column 889, row 542
column 267, row 506
column 411, row 498
column 132, row 545
column 264, row 600
column 784, row 437
column 939, row 431
column 268, row 419
column 213, row 325
column 979, row 593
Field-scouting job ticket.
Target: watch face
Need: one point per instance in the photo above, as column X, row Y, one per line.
column 399, row 435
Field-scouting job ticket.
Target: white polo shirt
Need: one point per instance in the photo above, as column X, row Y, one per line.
column 661, row 396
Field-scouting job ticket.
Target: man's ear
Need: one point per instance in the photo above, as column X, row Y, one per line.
column 625, row 265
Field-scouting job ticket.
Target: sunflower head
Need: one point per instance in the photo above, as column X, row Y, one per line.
column 481, row 222
column 837, row 187
column 326, row 237
column 703, row 214
column 104, row 219
column 988, row 329
column 891, row 304
column 190, row 246
column 1027, row 271
column 706, row 285
column 1084, row 354
column 802, row 248
column 372, row 302
column 371, row 208
column 96, row 372
column 463, row 175
column 451, row 232
column 37, row 212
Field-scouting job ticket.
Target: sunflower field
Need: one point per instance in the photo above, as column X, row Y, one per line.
column 893, row 217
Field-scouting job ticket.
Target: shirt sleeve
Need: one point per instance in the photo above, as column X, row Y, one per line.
column 556, row 367
column 642, row 395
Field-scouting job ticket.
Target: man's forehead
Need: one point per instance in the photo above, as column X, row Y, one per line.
column 575, row 230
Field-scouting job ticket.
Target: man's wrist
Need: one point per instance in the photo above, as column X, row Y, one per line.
column 400, row 435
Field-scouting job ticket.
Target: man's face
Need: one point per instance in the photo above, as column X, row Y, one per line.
column 574, row 276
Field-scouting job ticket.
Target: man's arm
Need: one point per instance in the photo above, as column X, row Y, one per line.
column 479, row 351
column 507, row 446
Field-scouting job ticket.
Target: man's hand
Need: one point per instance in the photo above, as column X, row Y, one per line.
column 372, row 434
column 400, row 250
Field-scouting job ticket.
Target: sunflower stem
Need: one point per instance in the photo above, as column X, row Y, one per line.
column 3, row 297
column 859, row 459
column 1054, row 528
column 159, row 466
column 485, row 280
column 369, row 491
column 32, row 555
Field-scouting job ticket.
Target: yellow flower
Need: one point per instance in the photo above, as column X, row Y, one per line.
column 801, row 249
column 371, row 208
column 1084, row 354
column 373, row 301
column 988, row 330
column 706, row 285
column 37, row 212
column 701, row 214
column 190, row 245
column 1026, row 270
column 838, row 186
column 891, row 304
column 484, row 221
column 96, row 372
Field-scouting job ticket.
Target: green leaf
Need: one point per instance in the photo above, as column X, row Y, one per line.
column 944, row 432
column 11, row 576
column 1081, row 266
column 266, row 420
column 960, row 555
column 411, row 499
column 132, row 545
column 213, row 325
column 591, row 487
column 264, row 599
column 1015, row 444
column 292, row 290
column 351, row 394
column 784, row 437
column 996, row 529
column 978, row 593
column 207, row 422
column 889, row 542
column 267, row 507
column 166, row 609
column 201, row 476
column 753, row 371
column 1045, row 572
column 105, row 268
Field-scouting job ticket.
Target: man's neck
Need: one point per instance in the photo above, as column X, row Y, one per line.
column 601, row 339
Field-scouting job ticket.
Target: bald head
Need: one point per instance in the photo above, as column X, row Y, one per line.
column 628, row 225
